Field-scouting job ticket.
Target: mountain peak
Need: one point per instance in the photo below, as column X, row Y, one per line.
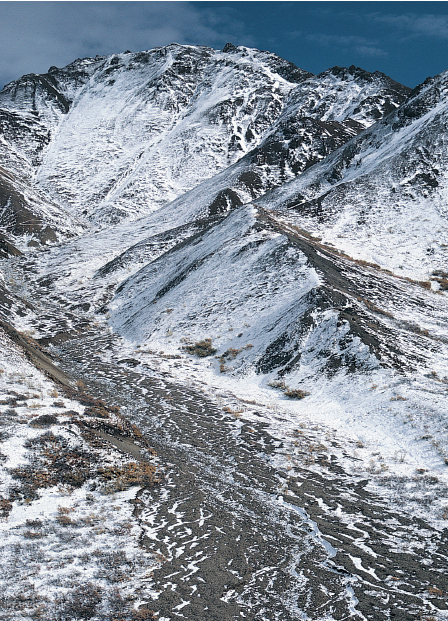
column 229, row 48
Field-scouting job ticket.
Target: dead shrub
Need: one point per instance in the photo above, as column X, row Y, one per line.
column 277, row 384
column 80, row 603
column 46, row 420
column 398, row 398
column 424, row 283
column 63, row 516
column 143, row 614
column 96, row 412
column 129, row 475
column 64, row 520
column 201, row 348
column 291, row 393
column 231, row 354
column 54, row 462
column 295, row 393
column 32, row 534
column 5, row 507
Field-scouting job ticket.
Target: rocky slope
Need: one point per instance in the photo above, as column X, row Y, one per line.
column 382, row 196
column 249, row 260
column 322, row 113
column 170, row 118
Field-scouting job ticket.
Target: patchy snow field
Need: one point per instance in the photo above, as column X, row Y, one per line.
column 69, row 532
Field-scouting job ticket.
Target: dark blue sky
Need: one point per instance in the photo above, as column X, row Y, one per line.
column 406, row 40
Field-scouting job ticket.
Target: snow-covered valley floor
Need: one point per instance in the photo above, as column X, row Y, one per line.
column 334, row 506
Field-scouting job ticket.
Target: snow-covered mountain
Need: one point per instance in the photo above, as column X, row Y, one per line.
column 130, row 132
column 120, row 136
column 185, row 217
column 216, row 131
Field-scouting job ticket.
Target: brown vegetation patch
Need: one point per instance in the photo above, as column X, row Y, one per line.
column 201, row 348
column 295, row 393
column 232, row 353
column 46, row 420
column 120, row 478
column 5, row 507
column 442, row 278
column 291, row 393
column 54, row 462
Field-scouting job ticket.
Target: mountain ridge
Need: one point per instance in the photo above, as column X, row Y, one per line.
column 172, row 75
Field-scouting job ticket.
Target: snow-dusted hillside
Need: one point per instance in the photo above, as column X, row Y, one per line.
column 382, row 196
column 251, row 261
column 131, row 132
column 29, row 216
column 320, row 115
column 247, row 288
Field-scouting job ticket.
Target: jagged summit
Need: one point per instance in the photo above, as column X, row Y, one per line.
column 167, row 119
column 229, row 47
column 367, row 96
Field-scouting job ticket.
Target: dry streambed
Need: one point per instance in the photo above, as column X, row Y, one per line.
column 242, row 532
